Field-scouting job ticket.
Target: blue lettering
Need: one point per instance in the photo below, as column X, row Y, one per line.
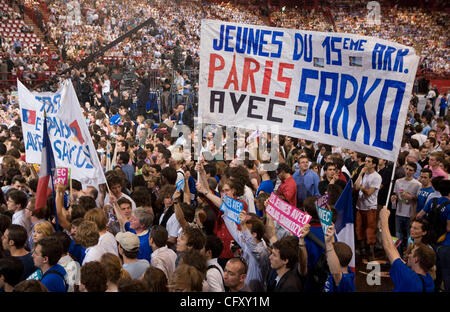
column 228, row 37
column 387, row 58
column 400, row 86
column 398, row 64
column 343, row 103
column 361, row 43
column 331, row 98
column 38, row 124
column 253, row 39
column 31, row 142
column 354, row 44
column 336, row 50
column 262, row 42
column 304, row 48
column 306, row 98
column 345, row 46
column 276, row 34
column 56, row 146
column 241, row 43
column 218, row 44
column 377, row 55
column 361, row 112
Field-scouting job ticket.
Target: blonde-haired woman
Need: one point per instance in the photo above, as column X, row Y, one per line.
column 41, row 230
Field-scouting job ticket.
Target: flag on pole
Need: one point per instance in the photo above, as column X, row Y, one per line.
column 70, row 113
column 345, row 221
column 108, row 156
column 45, row 171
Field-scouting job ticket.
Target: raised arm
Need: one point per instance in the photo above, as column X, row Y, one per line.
column 332, row 259
column 187, row 191
column 61, row 213
column 386, row 238
column 178, row 211
column 302, row 253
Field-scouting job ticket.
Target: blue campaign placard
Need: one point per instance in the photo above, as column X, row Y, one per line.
column 232, row 208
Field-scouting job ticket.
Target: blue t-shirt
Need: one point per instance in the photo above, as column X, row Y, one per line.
column 422, row 197
column 53, row 281
column 347, row 283
column 446, row 241
column 312, row 249
column 28, row 265
column 445, row 213
column 406, row 280
column 145, row 251
column 77, row 252
column 266, row 187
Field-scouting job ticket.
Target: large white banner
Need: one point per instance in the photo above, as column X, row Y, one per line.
column 71, row 142
column 341, row 89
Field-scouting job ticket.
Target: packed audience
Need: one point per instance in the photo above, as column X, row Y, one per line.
column 140, row 234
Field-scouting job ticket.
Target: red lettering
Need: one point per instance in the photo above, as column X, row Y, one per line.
column 212, row 67
column 232, row 76
column 248, row 73
column 286, row 80
column 267, row 76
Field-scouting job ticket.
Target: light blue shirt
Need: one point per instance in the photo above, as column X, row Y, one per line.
column 255, row 254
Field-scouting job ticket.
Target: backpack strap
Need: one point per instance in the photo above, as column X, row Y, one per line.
column 57, row 273
column 170, row 211
column 213, row 266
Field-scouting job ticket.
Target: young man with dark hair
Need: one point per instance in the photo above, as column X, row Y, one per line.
column 46, row 255
column 339, row 255
column 115, row 185
column 426, row 189
column 412, row 276
column 435, row 162
column 331, row 177
column 13, row 241
column 368, row 184
column 163, row 257
column 123, row 160
column 283, row 260
column 254, row 252
column 214, row 273
column 17, row 201
column 405, row 194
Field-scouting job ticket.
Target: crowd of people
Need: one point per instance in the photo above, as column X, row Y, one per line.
column 141, row 234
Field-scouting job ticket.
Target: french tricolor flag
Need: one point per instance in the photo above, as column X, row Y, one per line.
column 345, row 221
column 29, row 116
column 45, row 172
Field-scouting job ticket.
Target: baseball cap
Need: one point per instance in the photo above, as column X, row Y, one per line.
column 128, row 240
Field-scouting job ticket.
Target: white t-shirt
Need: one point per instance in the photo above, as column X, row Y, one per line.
column 72, row 268
column 248, row 197
column 214, row 277
column 405, row 209
column 366, row 202
column 109, row 243
column 93, row 253
column 172, row 226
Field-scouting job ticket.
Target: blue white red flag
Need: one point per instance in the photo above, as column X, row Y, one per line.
column 345, row 221
column 45, row 171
